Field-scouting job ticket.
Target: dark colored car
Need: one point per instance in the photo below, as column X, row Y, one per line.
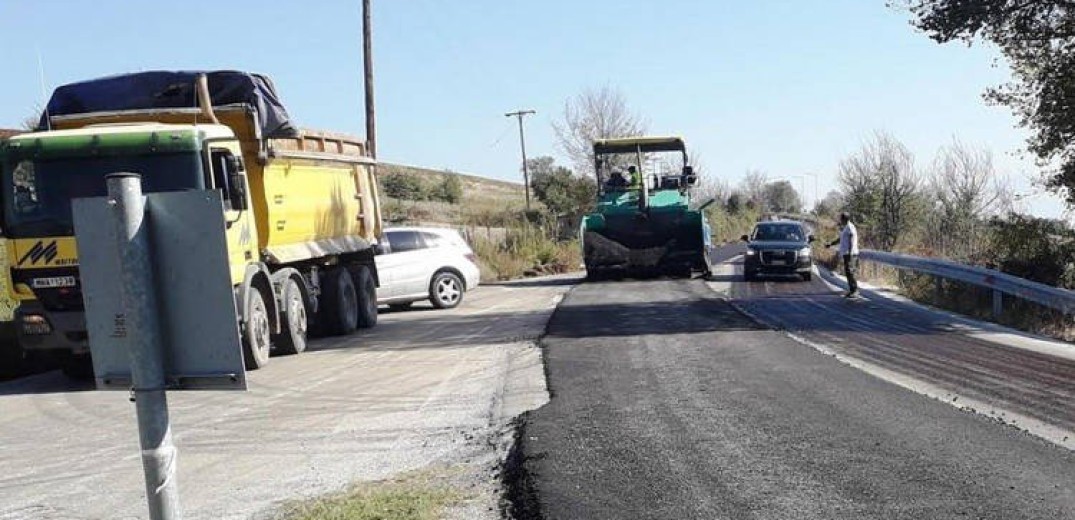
column 778, row 247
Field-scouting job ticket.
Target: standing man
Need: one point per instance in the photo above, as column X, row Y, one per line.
column 849, row 251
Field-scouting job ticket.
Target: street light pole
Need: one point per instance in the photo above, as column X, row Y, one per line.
column 522, row 144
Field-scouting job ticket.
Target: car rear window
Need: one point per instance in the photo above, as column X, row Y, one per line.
column 402, row 241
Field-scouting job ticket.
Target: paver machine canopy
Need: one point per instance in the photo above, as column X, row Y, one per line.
column 643, row 222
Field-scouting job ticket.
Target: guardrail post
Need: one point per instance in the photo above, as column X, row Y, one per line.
column 142, row 328
column 938, row 289
column 998, row 304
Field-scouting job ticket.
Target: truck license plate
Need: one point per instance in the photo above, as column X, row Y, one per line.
column 54, row 282
column 778, row 262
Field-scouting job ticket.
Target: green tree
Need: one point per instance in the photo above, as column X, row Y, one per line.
column 559, row 189
column 1037, row 37
column 781, row 197
column 450, row 189
column 404, row 186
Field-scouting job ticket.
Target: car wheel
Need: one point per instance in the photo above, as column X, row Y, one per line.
column 292, row 338
column 446, row 290
column 257, row 338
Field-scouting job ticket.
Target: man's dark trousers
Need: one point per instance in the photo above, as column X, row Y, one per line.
column 851, row 266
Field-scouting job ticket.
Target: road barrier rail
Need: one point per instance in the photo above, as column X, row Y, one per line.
column 1001, row 283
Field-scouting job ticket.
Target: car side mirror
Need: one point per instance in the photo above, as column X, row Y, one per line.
column 811, row 238
column 236, row 183
column 744, row 238
column 381, row 248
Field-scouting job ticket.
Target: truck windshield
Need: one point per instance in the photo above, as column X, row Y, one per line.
column 37, row 192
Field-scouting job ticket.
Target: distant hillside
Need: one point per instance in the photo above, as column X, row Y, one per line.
column 482, row 198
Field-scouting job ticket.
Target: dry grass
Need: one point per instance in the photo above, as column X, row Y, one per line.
column 525, row 251
column 410, row 497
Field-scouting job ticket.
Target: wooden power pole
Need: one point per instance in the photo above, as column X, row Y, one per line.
column 367, row 54
column 522, row 144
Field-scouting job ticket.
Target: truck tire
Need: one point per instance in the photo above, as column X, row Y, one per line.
column 446, row 290
column 366, row 290
column 257, row 332
column 294, row 323
column 77, row 366
column 339, row 304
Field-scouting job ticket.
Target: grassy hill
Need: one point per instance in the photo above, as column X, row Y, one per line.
column 484, row 200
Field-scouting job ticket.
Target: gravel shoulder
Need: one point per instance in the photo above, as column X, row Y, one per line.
column 424, row 389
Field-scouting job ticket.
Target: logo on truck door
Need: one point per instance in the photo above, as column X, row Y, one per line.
column 40, row 251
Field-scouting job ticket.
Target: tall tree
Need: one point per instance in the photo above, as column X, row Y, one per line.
column 965, row 191
column 594, row 114
column 880, row 187
column 1037, row 37
column 781, row 197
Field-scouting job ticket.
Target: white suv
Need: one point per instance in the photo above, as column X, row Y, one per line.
column 432, row 264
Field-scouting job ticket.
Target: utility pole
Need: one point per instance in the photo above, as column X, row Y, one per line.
column 522, row 144
column 367, row 55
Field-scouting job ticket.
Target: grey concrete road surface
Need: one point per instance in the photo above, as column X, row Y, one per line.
column 423, row 388
column 669, row 403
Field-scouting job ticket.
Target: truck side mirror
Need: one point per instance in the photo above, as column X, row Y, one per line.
column 236, row 183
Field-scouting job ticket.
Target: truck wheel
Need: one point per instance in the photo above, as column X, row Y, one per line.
column 367, row 296
column 292, row 338
column 257, row 334
column 446, row 290
column 339, row 303
column 77, row 366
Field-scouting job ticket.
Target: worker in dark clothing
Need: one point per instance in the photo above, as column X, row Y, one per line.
column 849, row 252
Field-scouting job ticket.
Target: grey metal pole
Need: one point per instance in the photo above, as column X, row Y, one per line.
column 143, row 333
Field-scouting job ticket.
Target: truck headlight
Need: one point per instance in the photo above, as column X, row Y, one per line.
column 35, row 325
column 805, row 251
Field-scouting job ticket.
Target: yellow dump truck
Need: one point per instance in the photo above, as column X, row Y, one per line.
column 301, row 206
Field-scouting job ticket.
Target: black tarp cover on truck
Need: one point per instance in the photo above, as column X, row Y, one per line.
column 165, row 89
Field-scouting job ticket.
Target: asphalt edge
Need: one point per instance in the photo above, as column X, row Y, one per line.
column 518, row 498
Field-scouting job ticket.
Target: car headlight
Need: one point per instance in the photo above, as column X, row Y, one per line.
column 751, row 252
column 804, row 251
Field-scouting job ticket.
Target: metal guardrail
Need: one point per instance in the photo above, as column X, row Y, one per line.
column 1000, row 283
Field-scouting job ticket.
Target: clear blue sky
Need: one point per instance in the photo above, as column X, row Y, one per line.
column 784, row 86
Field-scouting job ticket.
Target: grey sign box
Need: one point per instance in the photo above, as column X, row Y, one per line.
column 193, row 285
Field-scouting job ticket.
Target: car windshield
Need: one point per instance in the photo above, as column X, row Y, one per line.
column 38, row 192
column 788, row 232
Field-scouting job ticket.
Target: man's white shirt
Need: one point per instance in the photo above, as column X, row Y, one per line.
column 849, row 240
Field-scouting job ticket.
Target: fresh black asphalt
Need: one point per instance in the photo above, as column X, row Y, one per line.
column 668, row 403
